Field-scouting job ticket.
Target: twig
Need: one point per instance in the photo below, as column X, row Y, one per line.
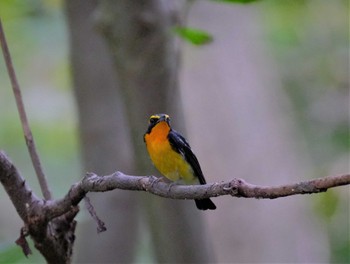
column 22, row 242
column 101, row 227
column 25, row 125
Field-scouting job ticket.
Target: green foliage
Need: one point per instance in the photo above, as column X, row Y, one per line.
column 299, row 33
column 341, row 251
column 11, row 9
column 11, row 254
column 235, row 1
column 36, row 37
column 327, row 204
column 195, row 36
column 340, row 137
column 310, row 39
column 200, row 37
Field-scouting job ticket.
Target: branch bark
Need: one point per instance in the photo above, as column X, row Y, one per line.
column 118, row 180
column 236, row 187
column 52, row 232
column 51, row 223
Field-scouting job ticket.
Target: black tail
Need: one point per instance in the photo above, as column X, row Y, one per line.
column 205, row 204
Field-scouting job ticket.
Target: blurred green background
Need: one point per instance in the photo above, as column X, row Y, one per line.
column 37, row 40
column 317, row 87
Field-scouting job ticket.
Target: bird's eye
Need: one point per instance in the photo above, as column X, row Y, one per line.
column 153, row 120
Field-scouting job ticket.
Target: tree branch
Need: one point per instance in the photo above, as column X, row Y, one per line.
column 53, row 237
column 51, row 223
column 236, row 187
column 21, row 194
column 17, row 189
column 23, row 117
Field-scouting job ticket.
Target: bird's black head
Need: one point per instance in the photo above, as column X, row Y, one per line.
column 157, row 118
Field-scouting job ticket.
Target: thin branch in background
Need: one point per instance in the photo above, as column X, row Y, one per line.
column 101, row 227
column 25, row 125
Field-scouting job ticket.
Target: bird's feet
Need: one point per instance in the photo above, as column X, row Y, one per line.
column 171, row 185
column 155, row 180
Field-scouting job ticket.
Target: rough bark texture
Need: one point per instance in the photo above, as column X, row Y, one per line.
column 103, row 133
column 54, row 238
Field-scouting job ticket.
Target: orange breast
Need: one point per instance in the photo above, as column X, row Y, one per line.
column 159, row 133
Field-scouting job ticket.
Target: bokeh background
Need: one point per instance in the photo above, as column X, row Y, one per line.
column 266, row 101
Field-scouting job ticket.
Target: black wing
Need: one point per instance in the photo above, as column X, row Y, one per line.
column 180, row 145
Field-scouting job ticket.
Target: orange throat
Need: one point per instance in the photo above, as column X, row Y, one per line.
column 158, row 133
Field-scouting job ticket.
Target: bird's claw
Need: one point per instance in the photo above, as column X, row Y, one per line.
column 155, row 180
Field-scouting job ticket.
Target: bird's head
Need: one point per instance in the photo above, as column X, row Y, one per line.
column 156, row 119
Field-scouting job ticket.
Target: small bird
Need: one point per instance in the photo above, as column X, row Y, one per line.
column 172, row 155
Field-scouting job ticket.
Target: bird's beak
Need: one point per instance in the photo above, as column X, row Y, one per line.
column 164, row 118
column 161, row 119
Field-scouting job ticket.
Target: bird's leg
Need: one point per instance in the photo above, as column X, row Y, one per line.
column 155, row 180
column 171, row 185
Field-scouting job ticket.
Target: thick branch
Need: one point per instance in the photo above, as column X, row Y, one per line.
column 54, row 238
column 17, row 189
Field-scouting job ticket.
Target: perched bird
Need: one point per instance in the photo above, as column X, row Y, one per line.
column 172, row 155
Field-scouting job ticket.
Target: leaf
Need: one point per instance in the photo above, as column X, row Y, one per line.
column 101, row 227
column 236, row 1
column 194, row 36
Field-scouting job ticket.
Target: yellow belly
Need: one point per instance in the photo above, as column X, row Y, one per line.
column 170, row 163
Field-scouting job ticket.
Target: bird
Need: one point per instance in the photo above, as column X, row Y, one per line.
column 172, row 155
